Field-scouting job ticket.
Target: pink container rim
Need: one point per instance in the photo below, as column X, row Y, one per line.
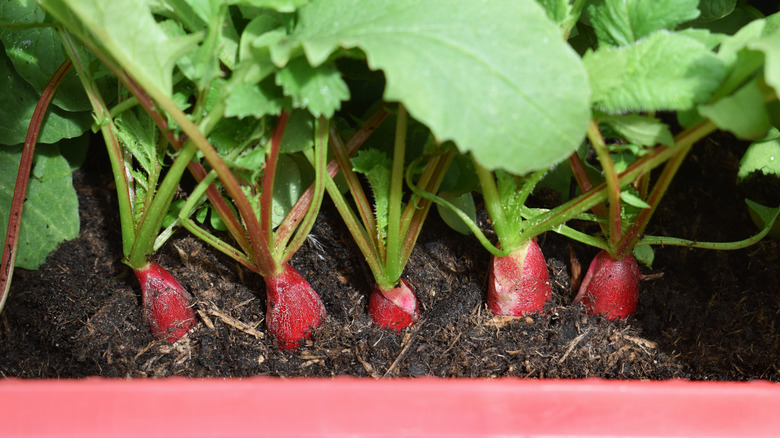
column 422, row 407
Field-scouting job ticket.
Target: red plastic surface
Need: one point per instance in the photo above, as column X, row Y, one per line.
column 386, row 408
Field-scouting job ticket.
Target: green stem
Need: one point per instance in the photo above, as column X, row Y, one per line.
column 320, row 159
column 365, row 211
column 115, row 153
column 294, row 216
column 359, row 233
column 412, row 231
column 193, row 201
column 461, row 214
column 149, row 228
column 739, row 244
column 610, row 177
column 393, row 264
column 495, row 208
column 587, row 200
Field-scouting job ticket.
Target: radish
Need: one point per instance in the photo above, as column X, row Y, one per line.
column 519, row 283
column 167, row 305
column 393, row 309
column 610, row 287
column 387, row 229
column 294, row 308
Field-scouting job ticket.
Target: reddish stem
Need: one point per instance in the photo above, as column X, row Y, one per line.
column 23, row 177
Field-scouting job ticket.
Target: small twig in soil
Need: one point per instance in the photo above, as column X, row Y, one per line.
column 405, row 348
column 229, row 320
column 573, row 344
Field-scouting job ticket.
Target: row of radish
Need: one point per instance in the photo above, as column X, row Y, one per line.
column 496, row 98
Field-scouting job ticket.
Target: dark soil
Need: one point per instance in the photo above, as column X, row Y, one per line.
column 704, row 315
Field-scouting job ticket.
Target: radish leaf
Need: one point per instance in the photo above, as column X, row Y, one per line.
column 486, row 75
column 37, row 52
column 319, row 89
column 665, row 71
column 743, row 113
column 623, row 22
column 50, row 213
column 17, row 103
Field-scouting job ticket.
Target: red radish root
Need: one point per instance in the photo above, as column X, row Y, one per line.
column 610, row 287
column 519, row 283
column 294, row 308
column 167, row 305
column 395, row 308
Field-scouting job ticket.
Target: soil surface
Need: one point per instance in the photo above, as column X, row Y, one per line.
column 705, row 315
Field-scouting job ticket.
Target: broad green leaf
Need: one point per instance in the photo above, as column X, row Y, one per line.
column 17, row 104
column 130, row 34
column 376, row 165
column 715, row 9
column 495, row 77
column 743, row 113
column 641, row 130
column 465, row 203
column 247, row 100
column 50, row 214
column 557, row 10
column 770, row 46
column 37, row 53
column 299, row 133
column 665, row 71
column 319, row 89
column 732, row 45
column 623, row 22
column 254, row 53
column 761, row 156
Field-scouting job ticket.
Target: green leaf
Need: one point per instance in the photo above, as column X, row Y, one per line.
column 376, row 165
column 487, row 75
column 761, row 156
column 17, row 104
column 557, row 10
column 623, row 22
column 743, row 113
column 299, row 133
column 50, row 214
column 665, row 71
column 288, row 187
column 762, row 216
column 633, row 200
column 770, row 46
column 641, row 130
column 37, row 53
column 465, row 203
column 715, row 9
column 250, row 100
column 138, row 135
column 644, row 254
column 319, row 89
column 130, row 34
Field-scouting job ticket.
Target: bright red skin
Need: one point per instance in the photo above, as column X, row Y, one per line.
column 519, row 283
column 167, row 305
column 294, row 308
column 610, row 287
column 393, row 309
